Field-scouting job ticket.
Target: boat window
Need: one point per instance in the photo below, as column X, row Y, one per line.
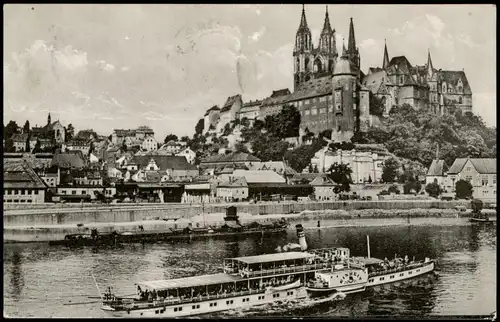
column 410, row 272
column 402, row 274
column 382, row 278
column 194, row 307
column 418, row 270
column 175, row 309
column 157, row 311
column 198, row 306
column 392, row 276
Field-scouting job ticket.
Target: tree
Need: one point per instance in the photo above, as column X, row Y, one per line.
column 37, row 148
column 300, row 157
column 9, row 145
column 170, row 137
column 185, row 139
column 433, row 189
column 11, row 129
column 340, row 173
column 124, row 147
column 394, row 189
column 463, row 189
column 26, row 127
column 27, row 148
column 200, row 126
column 390, row 169
column 241, row 147
column 70, row 132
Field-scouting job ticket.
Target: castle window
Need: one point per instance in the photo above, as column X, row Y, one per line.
column 460, row 89
column 322, row 110
column 314, row 111
column 330, row 109
column 354, row 106
column 460, row 100
column 306, row 112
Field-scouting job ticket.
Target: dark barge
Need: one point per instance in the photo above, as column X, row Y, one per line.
column 231, row 227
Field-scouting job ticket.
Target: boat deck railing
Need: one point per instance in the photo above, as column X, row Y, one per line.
column 399, row 269
column 180, row 300
column 287, row 270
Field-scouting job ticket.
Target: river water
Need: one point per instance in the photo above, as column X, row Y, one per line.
column 55, row 281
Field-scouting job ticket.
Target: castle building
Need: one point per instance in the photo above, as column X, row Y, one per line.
column 229, row 111
column 310, row 62
column 211, row 118
column 398, row 82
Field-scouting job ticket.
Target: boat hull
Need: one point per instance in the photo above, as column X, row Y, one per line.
column 395, row 276
column 346, row 289
column 480, row 220
column 211, row 306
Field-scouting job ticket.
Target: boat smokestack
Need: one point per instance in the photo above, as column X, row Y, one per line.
column 302, row 237
column 368, row 244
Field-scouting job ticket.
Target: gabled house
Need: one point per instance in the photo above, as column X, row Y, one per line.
column 324, row 187
column 233, row 189
column 189, row 154
column 481, row 173
column 21, row 184
column 436, row 173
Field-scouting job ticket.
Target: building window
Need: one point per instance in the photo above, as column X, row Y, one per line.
column 314, row 111
column 484, row 181
column 22, row 191
column 401, row 79
column 354, row 106
column 338, row 108
column 36, row 192
column 495, row 179
column 485, row 192
column 73, row 192
column 460, row 100
column 307, row 112
column 468, row 169
column 330, row 109
column 322, row 110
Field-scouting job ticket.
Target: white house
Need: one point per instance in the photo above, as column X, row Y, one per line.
column 481, row 173
column 149, row 143
column 323, row 188
column 189, row 154
column 437, row 173
column 234, row 189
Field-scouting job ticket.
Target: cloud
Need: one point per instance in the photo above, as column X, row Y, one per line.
column 467, row 40
column 257, row 35
column 125, row 68
column 102, row 65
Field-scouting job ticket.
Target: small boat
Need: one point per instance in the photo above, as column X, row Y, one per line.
column 284, row 287
column 480, row 220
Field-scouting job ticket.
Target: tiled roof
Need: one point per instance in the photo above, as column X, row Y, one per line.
column 281, row 92
column 145, row 129
column 277, row 166
column 343, row 66
column 315, row 87
column 231, row 157
column 322, row 180
column 86, row 134
column 305, row 176
column 229, row 102
column 483, row 166
column 437, row 168
column 69, row 159
column 234, row 182
column 252, row 103
column 164, row 162
column 19, row 174
column 79, row 141
column 256, row 176
column 452, row 77
column 171, row 143
column 213, row 108
column 120, row 132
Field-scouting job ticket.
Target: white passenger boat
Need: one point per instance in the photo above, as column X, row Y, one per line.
column 363, row 272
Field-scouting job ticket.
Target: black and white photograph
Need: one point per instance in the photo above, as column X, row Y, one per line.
column 234, row 161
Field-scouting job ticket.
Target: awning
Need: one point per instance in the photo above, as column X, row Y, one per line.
column 267, row 258
column 199, row 186
column 192, row 281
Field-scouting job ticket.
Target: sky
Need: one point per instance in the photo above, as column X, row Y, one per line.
column 109, row 67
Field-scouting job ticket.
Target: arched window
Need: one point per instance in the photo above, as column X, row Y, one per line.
column 297, row 65
column 330, row 65
column 460, row 100
column 306, row 64
column 318, row 68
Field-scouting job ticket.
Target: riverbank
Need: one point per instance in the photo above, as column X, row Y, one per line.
column 132, row 213
column 45, row 233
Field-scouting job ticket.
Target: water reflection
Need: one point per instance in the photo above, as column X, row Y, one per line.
column 466, row 261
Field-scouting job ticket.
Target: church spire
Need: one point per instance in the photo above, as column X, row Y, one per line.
column 327, row 28
column 430, row 68
column 386, row 56
column 351, row 46
column 303, row 20
column 48, row 119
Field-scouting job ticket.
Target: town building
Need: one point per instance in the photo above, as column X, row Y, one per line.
column 216, row 163
column 171, row 147
column 324, row 188
column 189, row 154
column 69, row 160
column 173, row 166
column 250, row 111
column 481, row 173
column 88, row 135
column 21, row 184
column 234, row 189
column 132, row 137
column 79, row 144
column 437, row 173
column 365, row 160
column 398, row 82
column 53, row 130
column 274, row 104
column 149, row 143
column 229, row 111
column 19, row 141
column 210, row 119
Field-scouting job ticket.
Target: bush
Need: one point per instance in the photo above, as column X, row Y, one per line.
column 433, row 189
column 394, row 189
column 463, row 189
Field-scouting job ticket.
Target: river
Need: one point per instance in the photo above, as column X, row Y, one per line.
column 55, row 281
